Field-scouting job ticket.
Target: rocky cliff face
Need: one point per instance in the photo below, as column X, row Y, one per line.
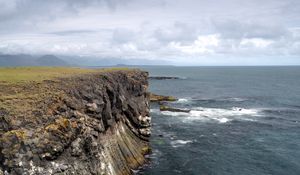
column 86, row 124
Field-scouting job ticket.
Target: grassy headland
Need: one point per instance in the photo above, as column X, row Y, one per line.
column 13, row 75
column 21, row 88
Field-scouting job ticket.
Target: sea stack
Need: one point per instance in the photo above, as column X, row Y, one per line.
column 86, row 123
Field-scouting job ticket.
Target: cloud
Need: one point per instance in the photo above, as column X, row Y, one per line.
column 72, row 32
column 123, row 35
column 187, row 32
column 31, row 14
column 249, row 29
column 178, row 31
column 202, row 45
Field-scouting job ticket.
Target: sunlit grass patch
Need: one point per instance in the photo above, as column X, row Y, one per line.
column 36, row 74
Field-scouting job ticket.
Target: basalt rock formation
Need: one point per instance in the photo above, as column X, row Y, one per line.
column 96, row 123
column 161, row 98
column 173, row 109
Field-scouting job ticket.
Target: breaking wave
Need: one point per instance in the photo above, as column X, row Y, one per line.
column 178, row 143
column 217, row 114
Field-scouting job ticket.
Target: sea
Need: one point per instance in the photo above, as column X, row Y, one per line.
column 242, row 121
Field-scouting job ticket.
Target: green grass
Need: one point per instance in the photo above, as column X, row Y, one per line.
column 21, row 89
column 36, row 74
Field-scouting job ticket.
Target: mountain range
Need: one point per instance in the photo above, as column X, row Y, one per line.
column 28, row 60
column 12, row 60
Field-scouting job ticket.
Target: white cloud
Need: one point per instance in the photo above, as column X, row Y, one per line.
column 7, row 7
column 256, row 42
column 188, row 30
column 203, row 45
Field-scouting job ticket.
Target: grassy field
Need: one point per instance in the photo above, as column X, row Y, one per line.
column 36, row 74
column 21, row 90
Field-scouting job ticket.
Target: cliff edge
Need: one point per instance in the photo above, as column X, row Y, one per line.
column 93, row 122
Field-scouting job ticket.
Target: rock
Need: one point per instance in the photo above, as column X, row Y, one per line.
column 163, row 78
column 161, row 98
column 76, row 147
column 94, row 123
column 172, row 109
column 92, row 107
column 4, row 126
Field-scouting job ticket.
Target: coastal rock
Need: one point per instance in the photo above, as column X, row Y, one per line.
column 161, row 98
column 163, row 78
column 173, row 109
column 96, row 123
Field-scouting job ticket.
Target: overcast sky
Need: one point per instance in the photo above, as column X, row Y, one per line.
column 181, row 32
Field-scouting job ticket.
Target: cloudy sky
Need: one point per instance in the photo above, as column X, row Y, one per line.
column 180, row 32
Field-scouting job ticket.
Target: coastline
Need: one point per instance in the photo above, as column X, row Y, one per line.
column 85, row 123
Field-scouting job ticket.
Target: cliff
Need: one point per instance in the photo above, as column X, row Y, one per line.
column 84, row 123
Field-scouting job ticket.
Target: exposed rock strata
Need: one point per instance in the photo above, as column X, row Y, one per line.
column 86, row 124
column 161, row 98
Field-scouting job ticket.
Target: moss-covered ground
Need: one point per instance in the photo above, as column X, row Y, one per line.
column 22, row 88
column 14, row 75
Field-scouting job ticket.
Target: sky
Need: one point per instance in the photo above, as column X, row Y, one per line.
column 178, row 32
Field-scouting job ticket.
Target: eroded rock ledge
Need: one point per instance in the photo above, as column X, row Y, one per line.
column 161, row 98
column 96, row 123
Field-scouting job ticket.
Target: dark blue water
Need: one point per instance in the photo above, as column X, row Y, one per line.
column 243, row 121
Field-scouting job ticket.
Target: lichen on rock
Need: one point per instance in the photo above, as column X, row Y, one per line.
column 93, row 123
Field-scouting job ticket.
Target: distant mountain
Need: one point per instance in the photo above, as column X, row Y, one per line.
column 28, row 60
column 107, row 61
column 50, row 60
column 16, row 60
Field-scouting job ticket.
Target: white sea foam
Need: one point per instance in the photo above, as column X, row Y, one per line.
column 178, row 143
column 238, row 99
column 182, row 100
column 155, row 111
column 174, row 113
column 223, row 120
column 217, row 114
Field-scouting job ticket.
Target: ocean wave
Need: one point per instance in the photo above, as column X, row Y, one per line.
column 153, row 110
column 170, row 113
column 226, row 99
column 223, row 120
column 178, row 143
column 210, row 100
column 217, row 114
column 237, row 99
column 182, row 100
column 234, row 111
column 281, row 110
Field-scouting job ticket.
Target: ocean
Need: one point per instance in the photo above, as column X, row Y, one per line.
column 243, row 121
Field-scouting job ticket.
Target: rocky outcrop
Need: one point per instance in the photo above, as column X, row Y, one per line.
column 173, row 109
column 96, row 123
column 163, row 78
column 161, row 98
